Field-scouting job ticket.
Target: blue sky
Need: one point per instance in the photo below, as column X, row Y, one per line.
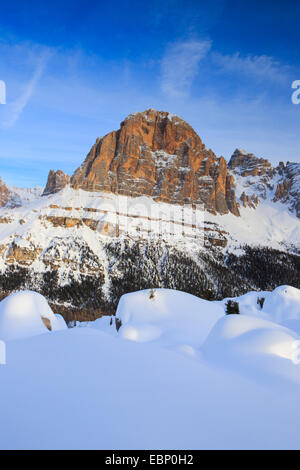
column 75, row 69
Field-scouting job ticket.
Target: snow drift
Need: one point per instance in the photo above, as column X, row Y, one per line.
column 251, row 343
column 27, row 313
column 170, row 317
column 254, row 347
column 282, row 306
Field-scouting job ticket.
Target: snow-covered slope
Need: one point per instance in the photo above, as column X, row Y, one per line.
column 69, row 236
column 23, row 196
column 78, row 213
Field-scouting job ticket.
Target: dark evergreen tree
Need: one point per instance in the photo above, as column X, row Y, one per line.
column 232, row 307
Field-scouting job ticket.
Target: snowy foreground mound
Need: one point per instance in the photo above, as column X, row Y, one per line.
column 178, row 374
column 167, row 316
column 27, row 313
column 280, row 306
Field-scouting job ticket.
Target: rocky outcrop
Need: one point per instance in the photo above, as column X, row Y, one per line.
column 5, row 194
column 56, row 181
column 247, row 164
column 230, row 195
column 249, row 201
column 159, row 155
column 5, row 220
column 23, row 256
column 282, row 191
column 66, row 222
column 277, row 184
column 70, row 222
column 291, row 186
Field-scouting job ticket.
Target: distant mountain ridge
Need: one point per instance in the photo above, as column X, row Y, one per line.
column 157, row 154
column 12, row 196
column 281, row 183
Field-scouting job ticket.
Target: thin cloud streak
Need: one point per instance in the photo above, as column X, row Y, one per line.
column 179, row 66
column 14, row 109
column 261, row 67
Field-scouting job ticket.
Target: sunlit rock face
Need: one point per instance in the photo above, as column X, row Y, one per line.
column 157, row 154
column 248, row 164
column 57, row 180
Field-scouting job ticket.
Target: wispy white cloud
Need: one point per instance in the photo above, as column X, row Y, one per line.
column 260, row 66
column 179, row 65
column 14, row 109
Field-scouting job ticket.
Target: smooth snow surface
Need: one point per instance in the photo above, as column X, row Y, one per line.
column 283, row 304
column 106, row 324
column 179, row 374
column 60, row 323
column 254, row 347
column 21, row 316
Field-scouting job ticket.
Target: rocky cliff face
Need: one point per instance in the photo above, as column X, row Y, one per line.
column 246, row 164
column 259, row 180
column 288, row 187
column 158, row 155
column 5, row 194
column 56, row 181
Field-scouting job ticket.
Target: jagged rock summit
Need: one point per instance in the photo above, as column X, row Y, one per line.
column 157, row 154
column 248, row 164
column 288, row 187
column 57, row 180
column 260, row 180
